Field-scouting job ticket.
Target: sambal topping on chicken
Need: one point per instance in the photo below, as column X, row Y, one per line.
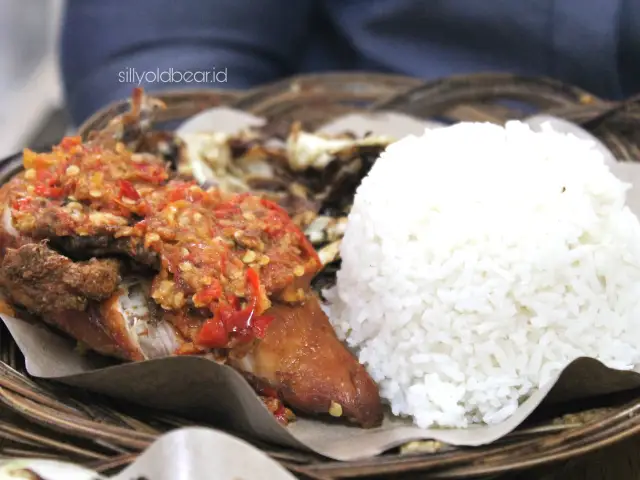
column 224, row 255
column 83, row 189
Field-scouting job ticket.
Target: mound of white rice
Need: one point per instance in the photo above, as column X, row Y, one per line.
column 478, row 261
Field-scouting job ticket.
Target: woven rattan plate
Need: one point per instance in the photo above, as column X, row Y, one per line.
column 46, row 420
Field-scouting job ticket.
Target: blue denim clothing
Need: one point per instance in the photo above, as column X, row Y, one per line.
column 109, row 45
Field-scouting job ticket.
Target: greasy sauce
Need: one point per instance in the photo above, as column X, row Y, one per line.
column 223, row 254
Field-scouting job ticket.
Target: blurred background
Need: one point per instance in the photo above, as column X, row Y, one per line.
column 31, row 107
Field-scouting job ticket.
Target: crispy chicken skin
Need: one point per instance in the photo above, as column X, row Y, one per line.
column 45, row 282
column 303, row 360
column 91, row 330
column 75, row 297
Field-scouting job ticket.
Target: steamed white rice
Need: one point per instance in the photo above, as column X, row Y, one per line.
column 478, row 261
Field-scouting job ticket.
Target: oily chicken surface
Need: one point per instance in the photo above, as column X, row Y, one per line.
column 302, row 358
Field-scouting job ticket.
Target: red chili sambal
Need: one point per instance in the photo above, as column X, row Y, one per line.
column 83, row 189
column 225, row 256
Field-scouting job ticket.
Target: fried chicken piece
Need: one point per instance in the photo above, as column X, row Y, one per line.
column 231, row 274
column 88, row 301
column 123, row 326
column 84, row 248
column 45, row 282
column 303, row 360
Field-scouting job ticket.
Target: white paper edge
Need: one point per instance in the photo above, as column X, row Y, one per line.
column 201, row 454
column 47, row 469
column 189, row 453
column 225, row 119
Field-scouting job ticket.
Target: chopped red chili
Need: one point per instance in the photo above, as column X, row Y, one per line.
column 51, row 192
column 281, row 414
column 213, row 334
column 69, row 142
column 46, row 177
column 208, row 294
column 226, row 255
column 128, row 190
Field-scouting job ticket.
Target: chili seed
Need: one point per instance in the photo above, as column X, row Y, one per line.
column 72, row 170
column 186, row 266
column 76, row 215
column 152, row 237
column 335, row 410
column 178, row 299
column 165, row 287
column 249, row 257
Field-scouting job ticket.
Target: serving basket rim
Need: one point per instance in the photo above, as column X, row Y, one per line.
column 313, row 100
